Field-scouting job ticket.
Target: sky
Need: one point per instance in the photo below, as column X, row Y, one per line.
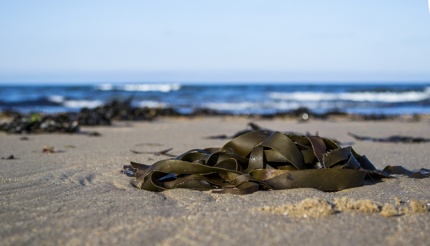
column 210, row 41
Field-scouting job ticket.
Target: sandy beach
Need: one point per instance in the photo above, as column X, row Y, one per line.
column 77, row 195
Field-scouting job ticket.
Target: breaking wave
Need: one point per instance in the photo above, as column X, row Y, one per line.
column 139, row 87
column 386, row 97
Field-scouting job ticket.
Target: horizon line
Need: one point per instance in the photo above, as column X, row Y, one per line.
column 322, row 82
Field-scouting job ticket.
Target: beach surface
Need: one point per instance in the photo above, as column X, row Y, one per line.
column 77, row 195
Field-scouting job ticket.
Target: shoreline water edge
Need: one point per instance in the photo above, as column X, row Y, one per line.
column 235, row 99
column 65, row 108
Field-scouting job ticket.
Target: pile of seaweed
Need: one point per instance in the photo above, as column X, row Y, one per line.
column 263, row 160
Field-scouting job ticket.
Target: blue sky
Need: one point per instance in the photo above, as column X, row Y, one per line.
column 235, row 40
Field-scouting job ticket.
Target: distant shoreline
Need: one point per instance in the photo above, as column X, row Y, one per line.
column 234, row 99
column 106, row 115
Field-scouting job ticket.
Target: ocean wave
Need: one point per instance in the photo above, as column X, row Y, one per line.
column 386, row 97
column 260, row 106
column 139, row 87
column 74, row 103
column 38, row 102
column 82, row 103
column 236, row 106
column 56, row 99
column 235, row 99
column 150, row 104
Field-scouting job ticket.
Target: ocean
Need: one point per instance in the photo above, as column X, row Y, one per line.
column 381, row 99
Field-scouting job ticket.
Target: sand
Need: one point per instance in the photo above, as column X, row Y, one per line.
column 78, row 196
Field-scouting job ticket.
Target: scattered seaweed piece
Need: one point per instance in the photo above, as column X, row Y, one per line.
column 420, row 174
column 93, row 134
column 161, row 152
column 11, row 157
column 391, row 139
column 252, row 127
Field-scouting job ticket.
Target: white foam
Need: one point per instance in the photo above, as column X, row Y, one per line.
column 251, row 106
column 224, row 106
column 409, row 96
column 105, row 87
column 56, row 98
column 82, row 103
column 140, row 87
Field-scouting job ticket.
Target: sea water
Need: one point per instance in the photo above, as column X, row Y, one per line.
column 243, row 98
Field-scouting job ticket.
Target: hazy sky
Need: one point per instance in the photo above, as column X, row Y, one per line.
column 234, row 40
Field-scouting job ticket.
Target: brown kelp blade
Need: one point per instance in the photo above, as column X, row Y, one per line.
column 321, row 179
column 391, row 139
column 422, row 173
column 261, row 160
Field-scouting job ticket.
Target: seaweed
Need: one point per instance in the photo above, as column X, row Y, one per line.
column 420, row 174
column 391, row 139
column 36, row 123
column 121, row 110
column 10, row 157
column 262, row 160
column 161, row 152
column 71, row 122
column 253, row 127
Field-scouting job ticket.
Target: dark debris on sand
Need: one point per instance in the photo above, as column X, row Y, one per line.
column 36, row 123
column 391, row 139
column 122, row 110
column 71, row 122
column 10, row 157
